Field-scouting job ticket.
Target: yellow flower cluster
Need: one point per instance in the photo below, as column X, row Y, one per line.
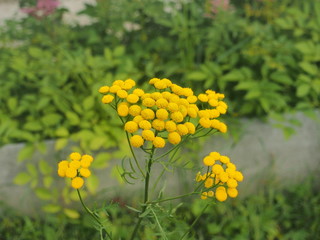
column 75, row 169
column 165, row 115
column 221, row 179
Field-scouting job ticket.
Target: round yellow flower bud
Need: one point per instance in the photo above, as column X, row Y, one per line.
column 191, row 127
column 87, row 157
column 192, row 99
column 77, row 182
column 132, row 98
column 136, row 141
column 167, row 82
column 158, row 124
column 208, row 161
column 156, row 95
column 215, row 123
column 123, row 110
column 176, row 116
column 162, row 114
column 162, row 103
column 122, row 94
column 166, row 95
column 153, row 80
column 221, row 195
column 130, row 81
column 148, row 102
column 204, row 114
column 214, row 113
column 199, row 176
column 138, row 119
column 173, row 107
column 131, row 126
column 205, row 122
column 210, row 194
column 231, row 166
column 183, row 109
column 174, row 98
column 217, row 169
column 224, row 177
column 183, row 102
column 203, row 97
column 75, row 156
column 232, row 183
column 187, row 92
column 174, row 138
column 223, row 104
column 213, row 102
column 114, row 88
column 221, row 109
column 224, row 159
column 71, row 172
column 192, row 112
column 159, row 142
column 231, row 172
column 145, row 124
column 160, row 85
column 146, row 95
column 74, row 164
column 176, row 89
column 204, row 195
column 118, row 83
column 232, row 192
column 222, row 127
column 134, row 110
column 62, row 172
column 85, row 172
column 238, row 176
column 139, row 92
column 104, row 89
column 182, row 129
column 215, row 155
column 147, row 114
column 63, row 164
column 107, row 99
column 85, row 163
column 208, row 183
column 148, row 135
column 170, row 126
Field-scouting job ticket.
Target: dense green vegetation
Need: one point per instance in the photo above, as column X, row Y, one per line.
column 271, row 213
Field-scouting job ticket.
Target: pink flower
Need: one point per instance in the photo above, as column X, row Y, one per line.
column 219, row 5
column 43, row 8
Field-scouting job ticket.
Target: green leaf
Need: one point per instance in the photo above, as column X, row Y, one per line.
column 51, row 119
column 288, row 132
column 73, row 118
column 44, row 167
column 246, row 85
column 60, row 143
column 196, row 76
column 309, row 68
column 101, row 160
column 26, row 152
column 43, row 193
column 32, row 170
column 22, row 178
column 303, row 90
column 35, row 52
column 88, row 103
column 281, row 77
column 62, row 132
column 47, row 181
column 51, row 208
column 12, row 103
column 71, row 213
column 97, row 142
column 253, row 94
column 233, row 76
column 33, row 126
column 119, row 51
column 306, row 47
column 92, row 184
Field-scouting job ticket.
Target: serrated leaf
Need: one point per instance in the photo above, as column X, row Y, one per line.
column 51, row 208
column 44, row 167
column 26, row 152
column 92, row 184
column 22, row 178
column 43, row 193
column 303, row 90
column 71, row 213
column 60, row 143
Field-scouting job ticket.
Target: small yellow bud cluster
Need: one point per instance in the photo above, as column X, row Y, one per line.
column 75, row 169
column 221, row 179
column 165, row 115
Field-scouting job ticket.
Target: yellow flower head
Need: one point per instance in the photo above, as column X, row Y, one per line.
column 160, row 85
column 173, row 107
column 182, row 129
column 136, row 141
column 159, row 142
column 107, row 99
column 74, row 164
column 148, row 135
column 176, row 116
column 104, row 89
column 232, row 192
column 71, row 172
column 221, row 195
column 158, row 124
column 114, row 88
column 75, row 156
column 162, row 114
column 138, row 119
column 205, row 122
column 77, row 182
column 203, row 97
column 162, row 103
column 156, row 95
column 132, row 98
column 122, row 94
column 191, row 127
column 147, row 114
column 123, row 110
column 134, row 110
column 174, row 138
column 131, row 126
column 170, row 126
column 152, row 81
column 145, row 124
column 139, row 92
column 148, row 102
column 85, row 172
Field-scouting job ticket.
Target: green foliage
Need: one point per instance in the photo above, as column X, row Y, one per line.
column 292, row 213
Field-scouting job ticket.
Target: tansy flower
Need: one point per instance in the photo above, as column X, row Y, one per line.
column 205, row 122
column 156, row 95
column 75, row 156
column 148, row 135
column 203, row 97
column 158, row 142
column 162, row 114
column 107, row 99
column 139, row 92
column 77, row 182
column 145, row 124
column 182, row 129
column 162, row 103
column 123, row 110
column 122, row 93
column 85, row 172
column 104, row 89
column 174, row 138
column 170, row 126
column 176, row 116
column 158, row 124
column 147, row 114
column 114, row 89
column 148, row 102
column 134, row 110
column 132, row 98
column 153, row 80
column 136, row 141
column 131, row 126
column 191, row 128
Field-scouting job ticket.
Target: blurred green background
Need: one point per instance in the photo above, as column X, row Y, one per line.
column 264, row 55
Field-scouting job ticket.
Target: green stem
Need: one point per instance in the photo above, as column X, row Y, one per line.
column 172, row 198
column 194, row 222
column 93, row 216
column 146, row 193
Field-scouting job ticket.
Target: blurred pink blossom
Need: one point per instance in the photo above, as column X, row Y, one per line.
column 219, row 5
column 42, row 9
